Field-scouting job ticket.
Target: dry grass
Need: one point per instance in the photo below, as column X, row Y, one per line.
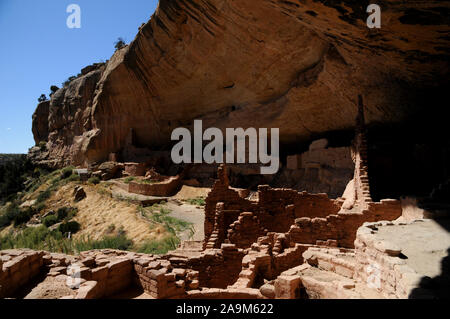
column 98, row 211
column 189, row 192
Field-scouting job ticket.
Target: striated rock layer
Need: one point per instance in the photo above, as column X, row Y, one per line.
column 298, row 65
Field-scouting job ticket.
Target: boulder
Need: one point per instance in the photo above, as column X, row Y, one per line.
column 109, row 170
column 79, row 194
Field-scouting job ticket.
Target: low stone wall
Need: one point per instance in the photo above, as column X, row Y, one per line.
column 331, row 259
column 380, row 264
column 230, row 293
column 161, row 280
column 268, row 257
column 245, row 230
column 341, row 228
column 165, row 188
column 218, row 268
column 135, row 169
column 17, row 268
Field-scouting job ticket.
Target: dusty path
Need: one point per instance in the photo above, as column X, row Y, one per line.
column 425, row 243
column 190, row 214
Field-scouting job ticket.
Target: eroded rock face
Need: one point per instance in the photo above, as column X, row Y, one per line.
column 40, row 122
column 296, row 65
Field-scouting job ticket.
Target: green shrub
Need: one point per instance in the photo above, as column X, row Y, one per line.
column 13, row 174
column 66, row 172
column 42, row 98
column 17, row 216
column 159, row 246
column 53, row 89
column 120, row 242
column 43, row 196
column 34, row 238
column 69, row 227
column 50, row 220
column 41, row 238
column 39, row 207
column 8, row 215
column 4, row 221
column 199, row 201
column 119, row 44
column 62, row 213
column 129, row 179
column 55, row 180
column 171, row 224
column 73, row 178
column 94, row 180
column 23, row 216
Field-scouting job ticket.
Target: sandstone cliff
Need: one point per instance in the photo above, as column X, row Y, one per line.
column 297, row 65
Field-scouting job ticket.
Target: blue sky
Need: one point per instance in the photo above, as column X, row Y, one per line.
column 39, row 50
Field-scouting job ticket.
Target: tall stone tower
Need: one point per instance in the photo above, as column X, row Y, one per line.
column 361, row 175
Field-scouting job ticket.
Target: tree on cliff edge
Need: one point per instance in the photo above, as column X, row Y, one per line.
column 42, row 98
column 119, row 44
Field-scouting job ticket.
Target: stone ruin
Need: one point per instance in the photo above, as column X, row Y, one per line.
column 280, row 243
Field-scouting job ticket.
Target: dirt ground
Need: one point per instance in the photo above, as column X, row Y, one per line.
column 99, row 211
column 191, row 214
column 51, row 288
column 425, row 243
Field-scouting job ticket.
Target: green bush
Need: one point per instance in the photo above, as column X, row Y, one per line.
column 42, row 98
column 199, row 201
column 40, row 207
column 53, row 89
column 69, row 227
column 129, row 179
column 17, row 216
column 62, row 213
column 120, row 242
column 41, row 238
column 73, row 178
column 13, row 174
column 66, row 172
column 55, row 180
column 23, row 216
column 43, row 196
column 38, row 238
column 119, row 44
column 50, row 220
column 159, row 247
column 94, row 180
column 8, row 215
column 4, row 221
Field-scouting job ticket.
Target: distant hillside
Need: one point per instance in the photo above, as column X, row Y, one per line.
column 4, row 158
column 14, row 169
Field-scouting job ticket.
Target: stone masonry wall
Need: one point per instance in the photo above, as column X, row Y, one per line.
column 17, row 268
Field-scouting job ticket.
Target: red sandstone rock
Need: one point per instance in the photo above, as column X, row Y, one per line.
column 287, row 287
column 291, row 64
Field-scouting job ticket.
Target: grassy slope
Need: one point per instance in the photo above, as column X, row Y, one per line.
column 105, row 222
